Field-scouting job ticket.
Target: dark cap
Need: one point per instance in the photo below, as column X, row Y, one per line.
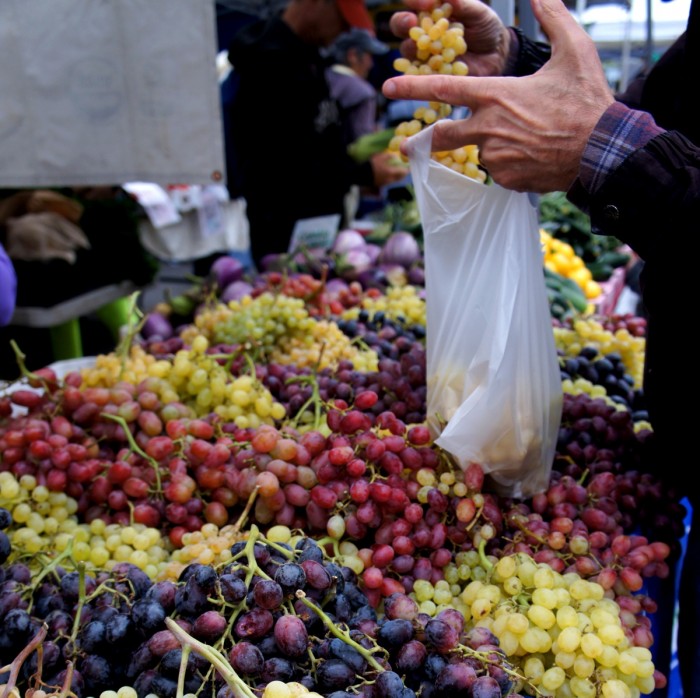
column 358, row 39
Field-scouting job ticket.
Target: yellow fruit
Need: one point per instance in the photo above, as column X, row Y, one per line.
column 592, row 289
column 562, row 263
column 581, row 276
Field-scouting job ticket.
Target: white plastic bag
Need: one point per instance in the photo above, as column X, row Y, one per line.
column 494, row 387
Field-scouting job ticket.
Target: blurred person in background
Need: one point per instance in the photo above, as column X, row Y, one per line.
column 289, row 152
column 8, row 287
column 348, row 77
column 545, row 119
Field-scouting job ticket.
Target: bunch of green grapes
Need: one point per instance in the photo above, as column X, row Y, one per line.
column 399, row 302
column 47, row 521
column 561, row 632
column 211, row 545
column 324, row 347
column 439, row 44
column 206, row 385
column 258, row 324
column 112, row 368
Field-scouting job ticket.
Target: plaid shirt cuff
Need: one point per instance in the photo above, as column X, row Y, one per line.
column 619, row 133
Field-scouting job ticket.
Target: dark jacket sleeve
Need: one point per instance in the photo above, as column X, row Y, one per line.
column 526, row 55
column 656, row 190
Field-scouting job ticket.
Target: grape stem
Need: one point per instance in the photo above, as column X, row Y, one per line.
column 17, row 662
column 329, row 540
column 21, row 357
column 81, row 601
column 51, row 567
column 135, row 447
column 314, row 399
column 218, row 661
column 483, row 560
column 340, row 634
column 485, row 659
column 183, row 669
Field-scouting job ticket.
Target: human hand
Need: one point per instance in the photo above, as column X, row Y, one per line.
column 488, row 39
column 531, row 131
column 39, row 201
column 387, row 168
column 44, row 236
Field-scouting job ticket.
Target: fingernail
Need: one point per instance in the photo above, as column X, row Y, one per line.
column 389, row 89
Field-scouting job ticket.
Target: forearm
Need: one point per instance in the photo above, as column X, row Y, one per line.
column 637, row 181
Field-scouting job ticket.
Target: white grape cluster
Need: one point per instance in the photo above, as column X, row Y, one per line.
column 398, row 302
column 562, row 634
column 324, row 347
column 46, row 521
column 439, row 44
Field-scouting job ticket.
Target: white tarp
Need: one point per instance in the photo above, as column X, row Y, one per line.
column 99, row 92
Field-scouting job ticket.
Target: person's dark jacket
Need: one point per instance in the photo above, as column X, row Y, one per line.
column 652, row 203
column 288, row 144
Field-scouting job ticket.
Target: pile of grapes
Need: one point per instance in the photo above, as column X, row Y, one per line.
column 255, row 507
column 191, row 515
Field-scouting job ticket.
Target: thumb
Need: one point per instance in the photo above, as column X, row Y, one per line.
column 560, row 26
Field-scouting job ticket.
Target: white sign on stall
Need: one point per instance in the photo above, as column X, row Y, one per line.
column 97, row 92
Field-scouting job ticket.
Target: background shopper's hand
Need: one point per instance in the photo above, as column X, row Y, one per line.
column 387, row 168
column 43, row 236
column 39, row 201
column 488, row 39
column 531, row 131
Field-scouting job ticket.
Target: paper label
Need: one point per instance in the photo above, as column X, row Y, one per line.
column 315, row 232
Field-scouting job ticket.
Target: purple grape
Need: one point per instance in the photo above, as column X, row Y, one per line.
column 254, row 624
column 277, row 669
column 130, row 579
column 5, row 547
column 442, row 636
column 96, row 672
column 91, row 638
column 341, row 650
column 455, row 679
column 246, row 658
column 164, row 593
column 191, row 599
column 233, row 589
column 119, row 629
column 5, row 518
column 389, row 684
column 317, row 576
column 291, row 635
column 268, row 594
column 171, row 662
column 411, row 656
column 70, row 586
column 17, row 625
column 334, row 674
column 400, row 606
column 395, row 633
column 210, row 626
column 140, row 661
column 163, row 686
column 148, row 616
column 486, row 687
